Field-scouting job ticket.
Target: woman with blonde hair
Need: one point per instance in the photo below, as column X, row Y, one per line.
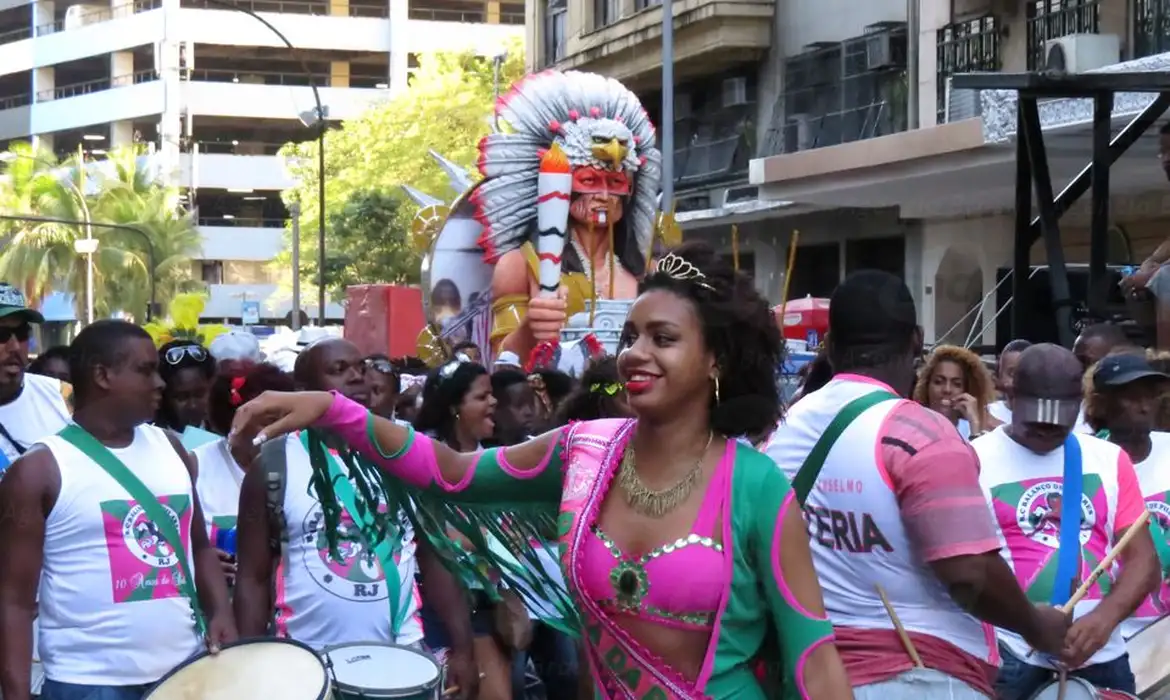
column 954, row 382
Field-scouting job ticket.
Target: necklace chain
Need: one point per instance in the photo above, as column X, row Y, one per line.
column 649, row 502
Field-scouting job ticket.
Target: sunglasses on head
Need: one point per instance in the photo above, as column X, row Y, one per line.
column 381, row 366
column 175, row 355
column 449, row 369
column 21, row 333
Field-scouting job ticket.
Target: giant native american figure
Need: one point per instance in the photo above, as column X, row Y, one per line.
column 567, row 208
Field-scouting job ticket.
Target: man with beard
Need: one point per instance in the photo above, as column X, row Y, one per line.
column 108, row 525
column 31, row 406
column 324, row 597
column 1024, row 465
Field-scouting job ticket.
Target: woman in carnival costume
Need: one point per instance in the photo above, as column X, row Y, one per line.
column 684, row 549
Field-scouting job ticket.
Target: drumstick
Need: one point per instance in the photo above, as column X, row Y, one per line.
column 1104, row 566
column 906, row 642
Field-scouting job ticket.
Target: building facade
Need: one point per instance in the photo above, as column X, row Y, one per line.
column 852, row 137
column 213, row 94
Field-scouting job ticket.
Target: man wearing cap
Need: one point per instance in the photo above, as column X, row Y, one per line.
column 1121, row 401
column 1024, row 469
column 31, row 406
column 894, row 509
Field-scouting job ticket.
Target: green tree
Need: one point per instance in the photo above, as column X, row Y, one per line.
column 41, row 257
column 447, row 108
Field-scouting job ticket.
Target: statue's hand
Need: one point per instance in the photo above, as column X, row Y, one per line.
column 547, row 315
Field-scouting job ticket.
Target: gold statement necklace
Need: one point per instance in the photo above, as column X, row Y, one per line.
column 655, row 504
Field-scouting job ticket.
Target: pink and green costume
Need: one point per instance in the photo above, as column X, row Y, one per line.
column 725, row 576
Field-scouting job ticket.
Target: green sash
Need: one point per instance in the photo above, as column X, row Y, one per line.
column 806, row 476
column 363, row 517
column 77, row 436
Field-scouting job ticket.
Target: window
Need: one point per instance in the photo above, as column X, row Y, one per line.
column 555, row 30
column 965, row 47
column 605, row 12
column 644, row 4
column 1151, row 27
column 842, row 92
column 1052, row 19
column 211, row 271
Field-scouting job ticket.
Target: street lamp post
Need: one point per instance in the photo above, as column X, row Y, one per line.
column 82, row 246
column 319, row 115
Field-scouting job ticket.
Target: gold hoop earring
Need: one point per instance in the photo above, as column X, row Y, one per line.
column 716, row 378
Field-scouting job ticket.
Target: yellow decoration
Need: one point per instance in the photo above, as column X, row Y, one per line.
column 430, row 347
column 669, row 232
column 425, row 225
column 184, row 323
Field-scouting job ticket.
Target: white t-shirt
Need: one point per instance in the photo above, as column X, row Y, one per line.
column 40, row 410
column 1153, row 474
column 218, row 486
column 999, row 410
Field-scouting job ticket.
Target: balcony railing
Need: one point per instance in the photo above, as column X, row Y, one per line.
column 966, row 47
column 1151, row 27
column 438, row 14
column 292, row 7
column 241, row 222
column 1052, row 19
column 97, row 85
column 246, row 77
column 710, row 161
column 15, row 101
column 242, row 147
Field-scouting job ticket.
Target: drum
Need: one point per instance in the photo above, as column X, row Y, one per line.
column 1107, row 694
column 256, row 668
column 367, row 670
column 1149, row 658
column 1075, row 689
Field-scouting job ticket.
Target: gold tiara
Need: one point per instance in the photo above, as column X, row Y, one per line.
column 676, row 268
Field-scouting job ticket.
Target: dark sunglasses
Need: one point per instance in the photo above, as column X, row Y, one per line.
column 175, row 355
column 21, row 333
column 381, row 366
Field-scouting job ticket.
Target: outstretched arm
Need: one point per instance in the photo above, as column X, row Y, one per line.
column 793, row 595
column 528, row 472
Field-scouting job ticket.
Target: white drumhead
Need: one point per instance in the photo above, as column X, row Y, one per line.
column 1149, row 658
column 381, row 667
column 262, row 669
column 1076, row 689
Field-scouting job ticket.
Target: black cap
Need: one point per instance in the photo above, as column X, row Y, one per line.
column 871, row 307
column 1122, row 369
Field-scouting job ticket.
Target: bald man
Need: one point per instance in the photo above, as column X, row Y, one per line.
column 1023, row 468
column 319, row 601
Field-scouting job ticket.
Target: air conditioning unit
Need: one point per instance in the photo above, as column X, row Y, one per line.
column 962, row 104
column 735, row 92
column 798, row 133
column 1077, row 53
column 682, row 106
column 882, row 51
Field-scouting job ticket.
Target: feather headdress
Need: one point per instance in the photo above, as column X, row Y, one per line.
column 577, row 111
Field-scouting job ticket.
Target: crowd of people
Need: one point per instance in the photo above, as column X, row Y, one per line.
column 899, row 529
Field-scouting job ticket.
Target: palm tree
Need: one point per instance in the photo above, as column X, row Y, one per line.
column 42, row 255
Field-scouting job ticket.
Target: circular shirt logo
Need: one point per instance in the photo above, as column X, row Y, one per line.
column 145, row 541
column 1038, row 514
column 355, row 574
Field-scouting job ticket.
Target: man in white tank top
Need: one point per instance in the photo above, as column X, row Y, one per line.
column 1023, row 479
column 113, row 615
column 320, row 601
column 896, row 507
column 31, row 406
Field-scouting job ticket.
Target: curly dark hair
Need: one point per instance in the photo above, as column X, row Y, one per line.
column 252, row 380
column 738, row 326
column 446, row 386
column 592, row 398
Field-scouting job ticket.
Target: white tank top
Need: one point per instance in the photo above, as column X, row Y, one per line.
column 1153, row 474
column 855, row 528
column 1025, row 491
column 111, row 612
column 322, row 602
column 218, row 484
column 40, row 410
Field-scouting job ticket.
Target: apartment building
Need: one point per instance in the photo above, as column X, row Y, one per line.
column 845, row 129
column 214, row 93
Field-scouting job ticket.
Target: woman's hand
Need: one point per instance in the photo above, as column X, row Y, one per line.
column 967, row 408
column 276, row 413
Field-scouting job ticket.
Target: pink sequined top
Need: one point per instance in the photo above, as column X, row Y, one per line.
column 679, row 583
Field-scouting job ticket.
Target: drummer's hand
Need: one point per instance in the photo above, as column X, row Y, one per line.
column 276, row 413
column 1049, row 629
column 228, row 563
column 548, row 315
column 1086, row 637
column 221, row 630
column 462, row 673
